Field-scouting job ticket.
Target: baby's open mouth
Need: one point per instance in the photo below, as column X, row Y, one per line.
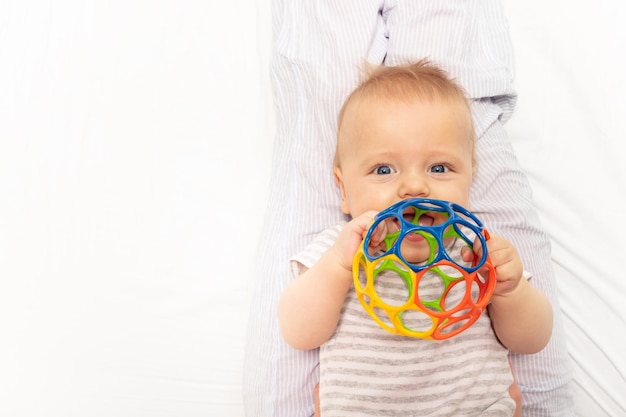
column 425, row 219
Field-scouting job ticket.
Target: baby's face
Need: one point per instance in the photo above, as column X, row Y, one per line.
column 392, row 150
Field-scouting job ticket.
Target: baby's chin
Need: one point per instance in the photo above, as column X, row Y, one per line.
column 415, row 255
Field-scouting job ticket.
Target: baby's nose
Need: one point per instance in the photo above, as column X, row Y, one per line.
column 414, row 186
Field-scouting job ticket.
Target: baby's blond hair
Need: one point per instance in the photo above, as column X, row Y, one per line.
column 420, row 80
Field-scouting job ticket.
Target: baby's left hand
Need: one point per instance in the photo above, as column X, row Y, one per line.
column 505, row 260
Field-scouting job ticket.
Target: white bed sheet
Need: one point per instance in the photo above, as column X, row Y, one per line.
column 569, row 134
column 135, row 143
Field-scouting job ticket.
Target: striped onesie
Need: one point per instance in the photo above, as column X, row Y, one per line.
column 367, row 371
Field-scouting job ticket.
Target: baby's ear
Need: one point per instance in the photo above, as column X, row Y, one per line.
column 339, row 180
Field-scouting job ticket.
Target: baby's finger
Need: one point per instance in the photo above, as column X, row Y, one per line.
column 467, row 254
column 377, row 237
column 486, row 272
column 478, row 247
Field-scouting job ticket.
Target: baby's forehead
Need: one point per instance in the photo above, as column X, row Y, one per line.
column 371, row 108
column 360, row 105
column 406, row 97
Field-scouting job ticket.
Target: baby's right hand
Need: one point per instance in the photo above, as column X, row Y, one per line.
column 353, row 234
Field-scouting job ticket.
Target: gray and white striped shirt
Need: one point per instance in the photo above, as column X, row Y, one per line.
column 368, row 371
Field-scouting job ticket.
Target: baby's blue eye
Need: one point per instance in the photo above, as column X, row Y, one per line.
column 438, row 169
column 383, row 170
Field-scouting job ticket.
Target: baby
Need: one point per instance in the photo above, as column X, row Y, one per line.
column 406, row 132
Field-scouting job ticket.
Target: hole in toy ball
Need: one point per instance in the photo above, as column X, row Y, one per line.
column 430, row 286
column 362, row 276
column 366, row 299
column 455, row 324
column 393, row 284
column 419, row 247
column 456, row 294
column 460, row 240
column 382, row 316
column 465, row 313
column 467, row 218
column 416, row 320
column 386, row 231
column 389, row 263
column 410, row 214
column 483, row 277
column 475, row 290
column 450, row 272
column 423, row 217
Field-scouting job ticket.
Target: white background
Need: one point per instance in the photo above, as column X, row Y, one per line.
column 134, row 164
column 135, row 153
